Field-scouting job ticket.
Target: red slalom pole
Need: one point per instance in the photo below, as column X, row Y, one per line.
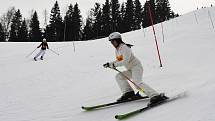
column 152, row 22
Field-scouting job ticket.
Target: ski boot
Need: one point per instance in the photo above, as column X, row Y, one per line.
column 138, row 96
column 35, row 58
column 41, row 58
column 157, row 99
column 129, row 96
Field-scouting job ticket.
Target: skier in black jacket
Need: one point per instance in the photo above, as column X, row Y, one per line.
column 44, row 46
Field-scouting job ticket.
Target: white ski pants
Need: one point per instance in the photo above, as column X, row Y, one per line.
column 135, row 74
column 42, row 53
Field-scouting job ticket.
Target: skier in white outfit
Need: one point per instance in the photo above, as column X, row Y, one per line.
column 44, row 46
column 125, row 57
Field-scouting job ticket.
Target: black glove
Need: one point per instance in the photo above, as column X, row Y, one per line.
column 106, row 65
column 109, row 65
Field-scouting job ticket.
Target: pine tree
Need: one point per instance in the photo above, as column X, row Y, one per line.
column 76, row 19
column 138, row 14
column 149, row 8
column 56, row 25
column 68, row 24
column 163, row 11
column 2, row 34
column 122, row 21
column 106, row 25
column 167, row 9
column 152, row 7
column 97, row 21
column 6, row 21
column 88, row 32
column 35, row 34
column 115, row 14
column 173, row 14
column 129, row 16
column 49, row 33
column 15, row 26
column 23, row 32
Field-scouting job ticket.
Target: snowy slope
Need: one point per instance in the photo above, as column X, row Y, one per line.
column 54, row 89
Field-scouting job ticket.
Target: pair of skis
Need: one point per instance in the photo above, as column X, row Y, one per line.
column 135, row 112
column 96, row 107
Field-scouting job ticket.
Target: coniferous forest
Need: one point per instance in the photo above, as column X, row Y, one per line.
column 101, row 20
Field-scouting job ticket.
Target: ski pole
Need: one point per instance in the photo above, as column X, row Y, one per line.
column 30, row 53
column 54, row 52
column 138, row 87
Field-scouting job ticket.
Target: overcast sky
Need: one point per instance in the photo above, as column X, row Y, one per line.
column 26, row 6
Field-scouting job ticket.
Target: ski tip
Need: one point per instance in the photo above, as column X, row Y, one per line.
column 120, row 117
column 116, row 116
column 83, row 107
column 87, row 108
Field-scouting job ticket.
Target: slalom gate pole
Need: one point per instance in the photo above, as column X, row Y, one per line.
column 138, row 87
column 162, row 31
column 54, row 52
column 74, row 45
column 152, row 22
column 209, row 14
column 31, row 53
column 196, row 17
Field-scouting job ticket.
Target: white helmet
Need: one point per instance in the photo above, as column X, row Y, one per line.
column 44, row 40
column 114, row 35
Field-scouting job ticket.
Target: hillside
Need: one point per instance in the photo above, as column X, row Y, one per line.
column 55, row 89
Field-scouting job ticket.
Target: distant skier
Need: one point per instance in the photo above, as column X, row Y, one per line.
column 125, row 57
column 44, row 46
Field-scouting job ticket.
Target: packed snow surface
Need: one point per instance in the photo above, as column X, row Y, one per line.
column 54, row 89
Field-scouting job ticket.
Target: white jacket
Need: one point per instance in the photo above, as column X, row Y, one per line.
column 125, row 57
